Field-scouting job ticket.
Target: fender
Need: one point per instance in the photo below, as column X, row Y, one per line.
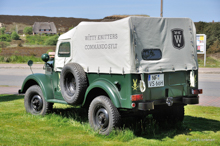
column 43, row 80
column 108, row 87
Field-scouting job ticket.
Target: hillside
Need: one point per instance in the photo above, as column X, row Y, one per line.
column 11, row 22
column 63, row 24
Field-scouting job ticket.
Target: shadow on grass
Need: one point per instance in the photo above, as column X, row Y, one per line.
column 150, row 129
column 78, row 114
column 147, row 127
column 6, row 97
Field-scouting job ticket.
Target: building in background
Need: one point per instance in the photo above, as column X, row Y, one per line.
column 1, row 25
column 44, row 27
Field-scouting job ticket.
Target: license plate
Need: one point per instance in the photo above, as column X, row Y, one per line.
column 156, row 80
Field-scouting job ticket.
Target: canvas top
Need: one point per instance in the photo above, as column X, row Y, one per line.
column 132, row 45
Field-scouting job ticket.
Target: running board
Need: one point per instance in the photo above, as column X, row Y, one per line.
column 57, row 101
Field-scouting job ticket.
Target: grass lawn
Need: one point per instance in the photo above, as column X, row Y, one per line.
column 69, row 126
column 211, row 60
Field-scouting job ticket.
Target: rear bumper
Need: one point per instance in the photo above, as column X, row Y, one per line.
column 149, row 105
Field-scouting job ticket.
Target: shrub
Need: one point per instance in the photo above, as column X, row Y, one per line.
column 19, row 44
column 15, row 36
column 215, row 47
column 36, row 39
column 27, row 30
column 52, row 40
column 5, row 37
column 2, row 30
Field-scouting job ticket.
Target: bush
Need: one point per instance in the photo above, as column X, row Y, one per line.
column 15, row 36
column 215, row 47
column 52, row 40
column 36, row 39
column 5, row 37
column 2, row 30
column 27, row 30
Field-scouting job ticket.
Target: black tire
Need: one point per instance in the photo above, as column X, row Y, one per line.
column 171, row 115
column 103, row 115
column 35, row 103
column 73, row 83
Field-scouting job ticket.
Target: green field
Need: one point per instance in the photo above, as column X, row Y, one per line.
column 210, row 62
column 69, row 126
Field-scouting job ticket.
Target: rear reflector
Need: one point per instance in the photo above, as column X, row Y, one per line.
column 133, row 105
column 136, row 97
column 196, row 91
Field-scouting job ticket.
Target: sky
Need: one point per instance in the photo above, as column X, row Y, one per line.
column 197, row 10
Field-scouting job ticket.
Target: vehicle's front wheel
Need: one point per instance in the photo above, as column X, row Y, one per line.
column 35, row 103
column 103, row 115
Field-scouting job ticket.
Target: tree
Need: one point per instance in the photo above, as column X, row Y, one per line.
column 27, row 30
column 2, row 30
column 215, row 47
column 15, row 36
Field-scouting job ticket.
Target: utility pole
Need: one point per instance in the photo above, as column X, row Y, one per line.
column 161, row 9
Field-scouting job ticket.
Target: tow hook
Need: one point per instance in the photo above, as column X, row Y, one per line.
column 169, row 101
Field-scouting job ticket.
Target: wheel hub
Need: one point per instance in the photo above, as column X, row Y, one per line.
column 102, row 118
column 36, row 103
column 70, row 84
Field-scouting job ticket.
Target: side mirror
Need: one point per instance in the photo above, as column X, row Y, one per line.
column 45, row 57
column 30, row 63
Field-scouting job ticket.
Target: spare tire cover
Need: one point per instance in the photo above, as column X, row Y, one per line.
column 73, row 83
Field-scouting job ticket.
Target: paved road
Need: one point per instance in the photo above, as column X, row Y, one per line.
column 15, row 76
column 210, row 83
column 12, row 76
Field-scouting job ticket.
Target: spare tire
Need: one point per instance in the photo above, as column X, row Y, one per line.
column 73, row 83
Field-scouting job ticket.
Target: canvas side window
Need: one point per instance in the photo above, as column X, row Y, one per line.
column 151, row 54
column 64, row 49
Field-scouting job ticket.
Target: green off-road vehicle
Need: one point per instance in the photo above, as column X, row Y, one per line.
column 134, row 66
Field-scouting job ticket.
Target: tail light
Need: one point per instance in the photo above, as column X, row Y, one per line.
column 196, row 91
column 137, row 97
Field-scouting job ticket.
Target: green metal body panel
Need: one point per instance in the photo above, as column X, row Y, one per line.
column 118, row 87
column 108, row 87
column 43, row 80
column 176, row 83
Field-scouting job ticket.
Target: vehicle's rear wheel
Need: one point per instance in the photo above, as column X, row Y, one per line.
column 73, row 83
column 103, row 115
column 35, row 103
column 171, row 115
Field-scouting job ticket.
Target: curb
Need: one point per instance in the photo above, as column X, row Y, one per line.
column 21, row 66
